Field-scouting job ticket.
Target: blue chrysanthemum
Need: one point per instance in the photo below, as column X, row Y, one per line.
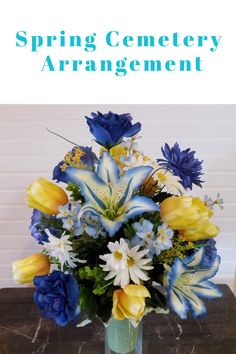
column 182, row 164
column 79, row 157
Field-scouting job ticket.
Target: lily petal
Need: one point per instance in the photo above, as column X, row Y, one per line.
column 91, row 186
column 207, row 289
column 111, row 226
column 107, row 169
column 138, row 205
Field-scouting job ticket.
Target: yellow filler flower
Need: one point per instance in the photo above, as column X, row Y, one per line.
column 45, row 196
column 129, row 302
column 25, row 269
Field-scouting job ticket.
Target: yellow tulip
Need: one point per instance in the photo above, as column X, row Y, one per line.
column 45, row 196
column 184, row 212
column 25, row 269
column 206, row 230
column 129, row 302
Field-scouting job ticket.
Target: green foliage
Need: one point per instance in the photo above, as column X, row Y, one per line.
column 47, row 222
column 96, row 275
column 86, row 247
column 96, row 293
column 75, row 192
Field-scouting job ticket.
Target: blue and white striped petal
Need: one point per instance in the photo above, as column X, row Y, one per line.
column 138, row 205
column 91, row 186
column 187, row 282
column 107, row 169
column 132, row 179
column 207, row 289
column 195, row 259
column 111, row 226
column 178, row 303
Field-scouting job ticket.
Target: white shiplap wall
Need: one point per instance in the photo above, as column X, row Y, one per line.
column 28, row 151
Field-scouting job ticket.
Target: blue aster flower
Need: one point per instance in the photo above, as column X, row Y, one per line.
column 183, row 164
column 144, row 235
column 89, row 223
column 163, row 240
column 187, row 282
column 109, row 129
column 111, row 196
column 79, row 157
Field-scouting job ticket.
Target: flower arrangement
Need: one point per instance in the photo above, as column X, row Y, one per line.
column 122, row 237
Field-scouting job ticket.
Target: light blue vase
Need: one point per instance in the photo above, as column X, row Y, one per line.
column 122, row 338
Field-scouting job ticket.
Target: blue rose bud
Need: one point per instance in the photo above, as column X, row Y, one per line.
column 56, row 296
column 109, row 129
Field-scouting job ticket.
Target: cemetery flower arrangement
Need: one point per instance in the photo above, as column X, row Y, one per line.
column 120, row 232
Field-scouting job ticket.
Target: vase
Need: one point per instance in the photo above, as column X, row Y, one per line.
column 121, row 337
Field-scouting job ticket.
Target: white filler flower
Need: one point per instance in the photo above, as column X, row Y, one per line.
column 124, row 263
column 60, row 248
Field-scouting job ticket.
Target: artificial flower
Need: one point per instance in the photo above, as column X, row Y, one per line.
column 137, row 160
column 45, row 196
column 41, row 221
column 61, row 249
column 187, row 281
column 56, row 296
column 206, row 230
column 124, row 263
column 184, row 212
column 163, row 239
column 130, row 303
column 110, row 195
column 68, row 214
column 89, row 223
column 25, row 269
column 183, row 164
column 109, row 129
column 167, row 180
column 144, row 234
column 211, row 203
column 79, row 157
column 210, row 251
column 118, row 153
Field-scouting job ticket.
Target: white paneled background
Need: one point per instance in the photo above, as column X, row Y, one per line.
column 28, row 151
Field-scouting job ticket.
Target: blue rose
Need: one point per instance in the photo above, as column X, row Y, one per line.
column 79, row 157
column 109, row 129
column 56, row 296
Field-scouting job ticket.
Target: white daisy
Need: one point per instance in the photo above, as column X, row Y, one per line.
column 60, row 248
column 125, row 263
column 169, row 181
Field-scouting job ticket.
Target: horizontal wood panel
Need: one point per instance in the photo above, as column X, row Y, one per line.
column 58, row 147
column 40, row 113
column 47, row 163
column 154, row 129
